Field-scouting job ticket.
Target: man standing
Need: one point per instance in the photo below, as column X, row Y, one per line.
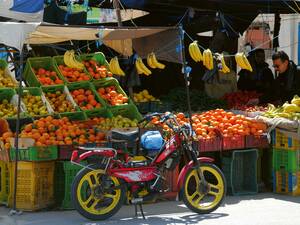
column 287, row 84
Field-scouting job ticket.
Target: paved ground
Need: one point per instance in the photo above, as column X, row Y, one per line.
column 262, row 209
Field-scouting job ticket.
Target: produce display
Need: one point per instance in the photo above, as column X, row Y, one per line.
column 253, row 108
column 71, row 61
column 141, row 67
column 195, row 52
column 111, row 95
column 143, row 96
column 153, row 63
column 85, row 99
column 287, row 110
column 6, row 81
column 7, row 109
column 115, row 68
column 73, row 74
column 49, row 131
column 47, row 77
column 96, row 70
column 239, row 99
column 34, row 105
column 59, row 102
column 5, row 138
column 115, row 122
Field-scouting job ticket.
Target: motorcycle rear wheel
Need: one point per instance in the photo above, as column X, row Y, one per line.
column 204, row 203
column 93, row 201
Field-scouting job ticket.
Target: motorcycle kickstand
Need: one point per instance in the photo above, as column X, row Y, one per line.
column 141, row 209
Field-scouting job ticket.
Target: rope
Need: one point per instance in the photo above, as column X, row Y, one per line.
column 179, row 22
column 290, row 6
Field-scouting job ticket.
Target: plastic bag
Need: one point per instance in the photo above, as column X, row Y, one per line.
column 152, row 140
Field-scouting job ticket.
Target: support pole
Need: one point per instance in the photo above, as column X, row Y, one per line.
column 116, row 5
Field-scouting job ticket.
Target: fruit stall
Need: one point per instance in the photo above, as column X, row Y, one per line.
column 74, row 100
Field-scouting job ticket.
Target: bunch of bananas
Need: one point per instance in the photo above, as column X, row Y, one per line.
column 242, row 61
column 141, row 68
column 115, row 68
column 208, row 60
column 153, row 63
column 71, row 61
column 195, row 52
column 225, row 68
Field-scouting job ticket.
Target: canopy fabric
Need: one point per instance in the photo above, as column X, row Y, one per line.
column 6, row 11
column 28, row 6
column 123, row 40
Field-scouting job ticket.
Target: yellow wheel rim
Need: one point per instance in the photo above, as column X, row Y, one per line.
column 215, row 193
column 88, row 193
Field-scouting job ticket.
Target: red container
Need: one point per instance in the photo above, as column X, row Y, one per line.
column 256, row 141
column 171, row 183
column 236, row 142
column 210, row 145
column 65, row 152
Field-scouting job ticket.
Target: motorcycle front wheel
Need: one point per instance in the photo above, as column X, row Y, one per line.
column 95, row 195
column 204, row 202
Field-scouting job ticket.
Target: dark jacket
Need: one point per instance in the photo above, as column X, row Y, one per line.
column 259, row 80
column 287, row 84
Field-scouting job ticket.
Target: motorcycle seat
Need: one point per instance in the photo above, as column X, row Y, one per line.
column 124, row 135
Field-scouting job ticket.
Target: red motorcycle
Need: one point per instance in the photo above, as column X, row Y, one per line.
column 100, row 189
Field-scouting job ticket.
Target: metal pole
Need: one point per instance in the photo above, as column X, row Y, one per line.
column 14, row 210
column 116, row 5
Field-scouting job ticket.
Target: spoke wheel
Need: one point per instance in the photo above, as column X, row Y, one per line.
column 209, row 200
column 93, row 194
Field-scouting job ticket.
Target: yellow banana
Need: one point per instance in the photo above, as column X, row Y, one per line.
column 192, row 53
column 225, row 68
column 208, row 60
column 112, row 66
column 205, row 62
column 242, row 61
column 67, row 59
column 246, row 62
column 138, row 67
column 150, row 61
column 75, row 62
column 119, row 71
column 142, row 66
column 197, row 51
column 156, row 63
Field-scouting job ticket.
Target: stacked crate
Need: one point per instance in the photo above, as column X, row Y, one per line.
column 286, row 162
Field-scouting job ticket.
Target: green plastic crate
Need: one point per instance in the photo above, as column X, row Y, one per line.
column 74, row 116
column 36, row 153
column 46, row 63
column 7, row 94
column 4, row 182
column 286, row 159
column 63, row 177
column 107, row 83
column 240, row 170
column 87, row 86
column 130, row 111
column 59, row 60
column 97, row 56
column 3, row 64
column 104, row 112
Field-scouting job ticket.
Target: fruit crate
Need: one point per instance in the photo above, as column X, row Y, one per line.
column 161, row 107
column 129, row 111
column 286, row 183
column 35, row 153
column 7, row 74
column 256, row 141
column 104, row 112
column 36, row 91
column 34, row 185
column 4, row 185
column 98, row 56
column 87, row 86
column 171, row 183
column 23, row 121
column 285, row 140
column 209, row 145
column 231, row 143
column 74, row 116
column 62, row 89
column 240, row 170
column 59, row 60
column 143, row 107
column 46, row 63
column 63, row 177
column 286, row 159
column 106, row 83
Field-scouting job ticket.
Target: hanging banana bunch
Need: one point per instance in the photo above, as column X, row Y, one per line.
column 195, row 52
column 115, row 68
column 225, row 68
column 242, row 61
column 71, row 61
column 153, row 63
column 208, row 60
column 141, row 68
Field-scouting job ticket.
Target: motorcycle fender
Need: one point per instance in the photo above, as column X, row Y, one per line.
column 187, row 167
column 132, row 175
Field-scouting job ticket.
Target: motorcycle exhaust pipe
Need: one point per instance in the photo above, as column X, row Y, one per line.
column 147, row 198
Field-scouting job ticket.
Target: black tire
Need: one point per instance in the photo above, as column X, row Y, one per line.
column 184, row 196
column 78, row 206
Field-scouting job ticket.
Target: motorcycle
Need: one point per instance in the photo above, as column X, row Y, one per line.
column 100, row 189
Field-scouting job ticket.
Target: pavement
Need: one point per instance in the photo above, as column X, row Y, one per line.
column 261, row 209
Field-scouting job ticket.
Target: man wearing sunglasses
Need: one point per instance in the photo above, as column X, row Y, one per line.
column 287, row 83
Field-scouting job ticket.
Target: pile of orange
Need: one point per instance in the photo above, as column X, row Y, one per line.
column 47, row 77
column 85, row 99
column 209, row 124
column 72, row 74
column 111, row 95
column 6, row 139
column 50, row 131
